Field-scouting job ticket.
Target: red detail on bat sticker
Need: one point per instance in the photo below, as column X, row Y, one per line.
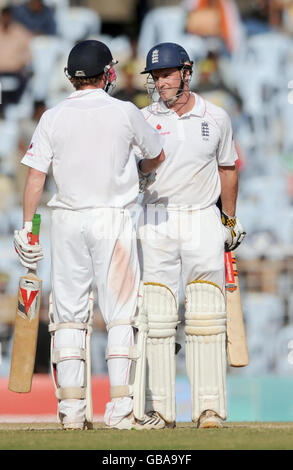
column 159, row 126
column 28, row 150
column 230, row 279
column 28, row 301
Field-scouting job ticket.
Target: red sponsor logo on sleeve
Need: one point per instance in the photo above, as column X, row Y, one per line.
column 28, row 151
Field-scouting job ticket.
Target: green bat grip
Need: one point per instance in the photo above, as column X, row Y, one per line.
column 36, row 224
column 34, row 238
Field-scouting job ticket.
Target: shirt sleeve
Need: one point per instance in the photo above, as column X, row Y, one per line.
column 39, row 154
column 137, row 153
column 145, row 137
column 227, row 154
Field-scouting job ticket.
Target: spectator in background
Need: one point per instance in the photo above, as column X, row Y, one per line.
column 15, row 56
column 215, row 19
column 255, row 17
column 36, row 17
column 271, row 11
column 130, row 92
column 281, row 14
column 26, row 129
column 27, row 126
column 211, row 82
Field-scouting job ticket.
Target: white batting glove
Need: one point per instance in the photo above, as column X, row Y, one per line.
column 145, row 180
column 28, row 254
column 235, row 232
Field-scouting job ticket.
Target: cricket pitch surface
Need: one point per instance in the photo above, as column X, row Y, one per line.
column 234, row 436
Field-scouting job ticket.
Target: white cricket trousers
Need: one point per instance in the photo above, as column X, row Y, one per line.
column 181, row 243
column 92, row 244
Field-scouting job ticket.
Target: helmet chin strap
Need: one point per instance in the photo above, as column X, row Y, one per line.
column 180, row 90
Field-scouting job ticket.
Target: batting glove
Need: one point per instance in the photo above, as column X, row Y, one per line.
column 28, row 254
column 235, row 232
column 145, row 180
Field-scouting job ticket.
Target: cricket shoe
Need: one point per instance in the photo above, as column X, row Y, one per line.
column 73, row 426
column 210, row 419
column 152, row 420
column 148, row 422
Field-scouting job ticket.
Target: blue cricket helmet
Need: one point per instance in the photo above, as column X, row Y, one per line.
column 166, row 55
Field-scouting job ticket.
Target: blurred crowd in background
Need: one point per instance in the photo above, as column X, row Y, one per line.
column 243, row 61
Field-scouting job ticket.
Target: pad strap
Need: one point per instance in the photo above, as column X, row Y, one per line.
column 65, row 354
column 71, row 325
column 121, row 352
column 121, row 391
column 119, row 323
column 77, row 393
column 209, row 324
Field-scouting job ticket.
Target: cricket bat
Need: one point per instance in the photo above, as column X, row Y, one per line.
column 236, row 337
column 26, row 325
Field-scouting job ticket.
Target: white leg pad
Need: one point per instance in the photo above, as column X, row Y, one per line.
column 138, row 371
column 137, row 353
column 161, row 308
column 72, row 353
column 88, row 361
column 205, row 330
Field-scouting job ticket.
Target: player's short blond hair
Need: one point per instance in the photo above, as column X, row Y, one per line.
column 80, row 82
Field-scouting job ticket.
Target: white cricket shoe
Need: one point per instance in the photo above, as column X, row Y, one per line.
column 128, row 422
column 72, row 426
column 151, row 421
column 210, row 419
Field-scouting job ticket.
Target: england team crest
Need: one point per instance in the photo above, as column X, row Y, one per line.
column 155, row 56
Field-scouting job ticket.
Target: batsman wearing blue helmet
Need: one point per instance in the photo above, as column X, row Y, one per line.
column 183, row 235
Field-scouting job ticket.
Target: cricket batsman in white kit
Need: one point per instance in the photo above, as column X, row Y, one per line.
column 182, row 234
column 87, row 139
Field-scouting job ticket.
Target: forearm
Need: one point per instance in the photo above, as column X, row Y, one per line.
column 229, row 189
column 148, row 165
column 32, row 193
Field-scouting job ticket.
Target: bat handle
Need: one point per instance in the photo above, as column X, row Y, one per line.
column 34, row 237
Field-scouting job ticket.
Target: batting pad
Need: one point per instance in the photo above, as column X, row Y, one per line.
column 137, row 353
column 138, row 371
column 161, row 308
column 205, row 333
column 59, row 355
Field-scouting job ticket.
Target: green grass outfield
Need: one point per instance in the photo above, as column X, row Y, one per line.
column 234, row 436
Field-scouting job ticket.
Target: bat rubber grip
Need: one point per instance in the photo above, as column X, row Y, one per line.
column 34, row 237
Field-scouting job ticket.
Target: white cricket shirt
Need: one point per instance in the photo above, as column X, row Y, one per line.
column 195, row 144
column 88, row 138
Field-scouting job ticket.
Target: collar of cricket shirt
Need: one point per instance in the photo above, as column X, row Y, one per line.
column 198, row 109
column 82, row 93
